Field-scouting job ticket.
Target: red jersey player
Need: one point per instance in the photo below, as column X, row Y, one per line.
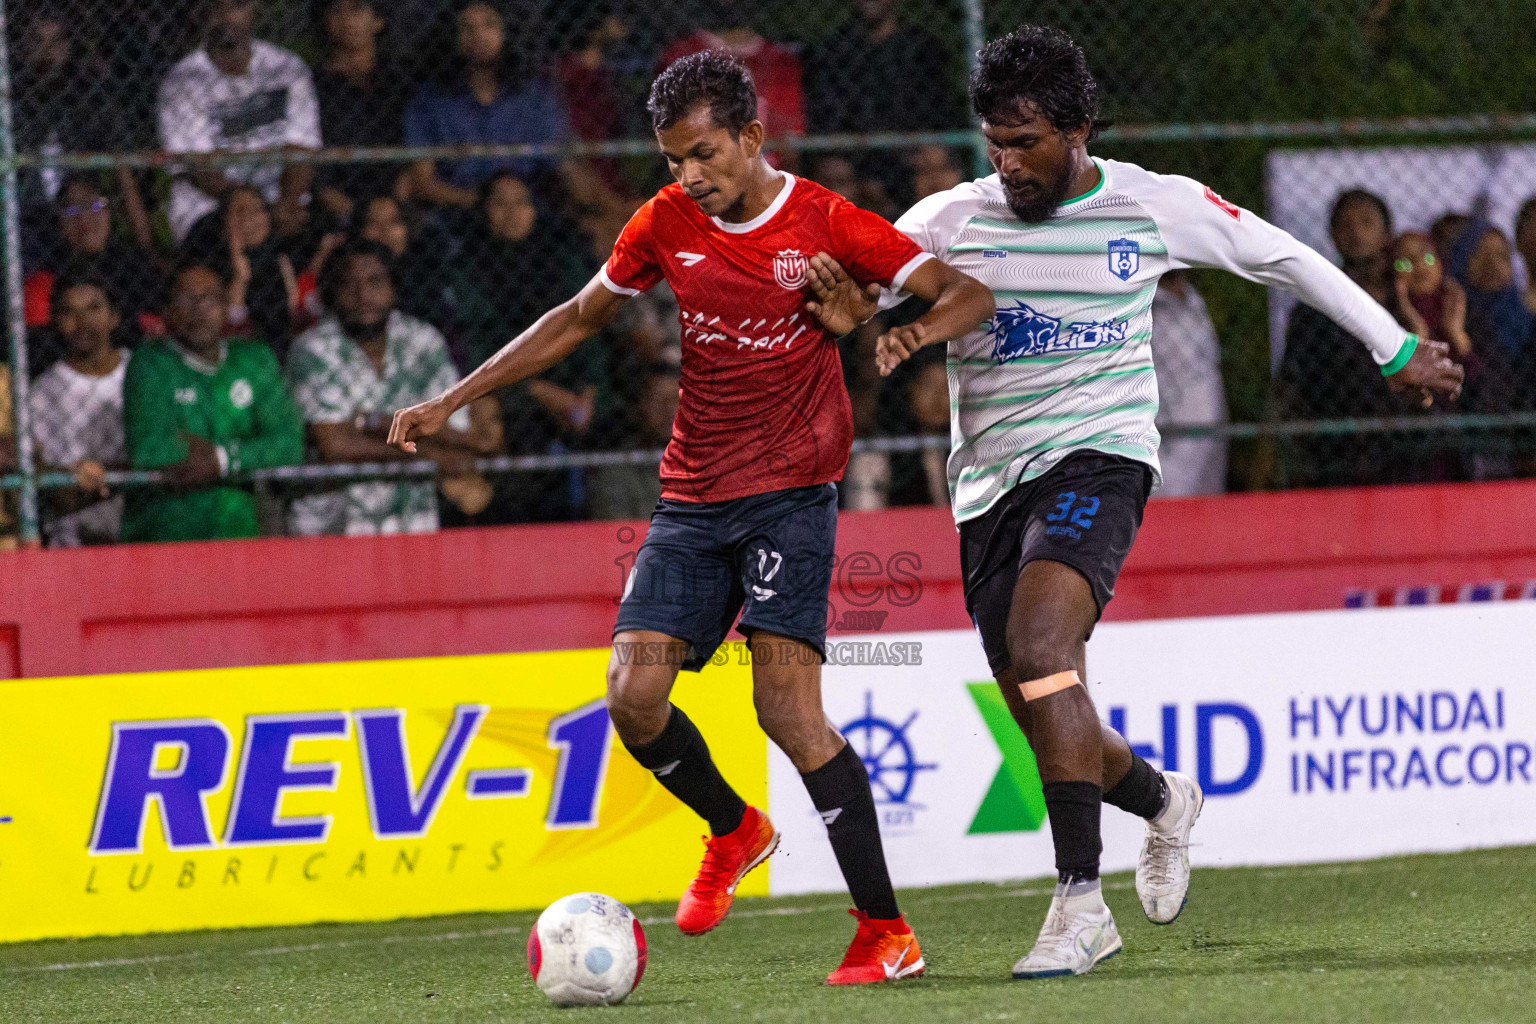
column 748, row 512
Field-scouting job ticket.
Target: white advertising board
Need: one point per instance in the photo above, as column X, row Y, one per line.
column 1318, row 736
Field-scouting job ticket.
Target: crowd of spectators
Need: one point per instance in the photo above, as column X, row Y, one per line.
column 1454, row 282
column 221, row 317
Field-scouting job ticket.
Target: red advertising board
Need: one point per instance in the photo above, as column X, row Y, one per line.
column 529, row 588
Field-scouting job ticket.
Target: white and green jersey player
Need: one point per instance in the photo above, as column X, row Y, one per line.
column 1066, row 364
column 1054, row 448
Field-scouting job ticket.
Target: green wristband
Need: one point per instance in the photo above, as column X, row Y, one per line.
column 1404, row 354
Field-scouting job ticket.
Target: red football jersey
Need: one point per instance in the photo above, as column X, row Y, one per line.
column 763, row 406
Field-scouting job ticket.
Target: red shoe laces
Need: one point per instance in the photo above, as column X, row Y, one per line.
column 866, row 942
column 718, row 869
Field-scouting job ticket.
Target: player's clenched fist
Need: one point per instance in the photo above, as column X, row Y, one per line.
column 896, row 346
column 416, row 421
column 1430, row 371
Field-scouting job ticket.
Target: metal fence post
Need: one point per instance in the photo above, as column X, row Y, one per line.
column 10, row 210
column 975, row 39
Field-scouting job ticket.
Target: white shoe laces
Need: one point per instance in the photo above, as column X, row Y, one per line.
column 1162, row 853
column 1056, row 941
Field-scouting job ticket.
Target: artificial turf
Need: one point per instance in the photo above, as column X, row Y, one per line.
column 1429, row 938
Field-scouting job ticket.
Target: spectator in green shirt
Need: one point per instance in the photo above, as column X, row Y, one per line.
column 203, row 407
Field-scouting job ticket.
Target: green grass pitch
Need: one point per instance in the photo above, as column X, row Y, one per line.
column 1430, row 938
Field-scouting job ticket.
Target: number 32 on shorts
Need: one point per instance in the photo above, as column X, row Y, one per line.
column 1078, row 510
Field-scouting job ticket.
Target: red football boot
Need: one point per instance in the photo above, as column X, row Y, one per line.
column 727, row 859
column 880, row 951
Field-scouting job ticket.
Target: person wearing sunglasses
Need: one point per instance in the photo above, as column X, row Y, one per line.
column 1429, row 303
column 85, row 244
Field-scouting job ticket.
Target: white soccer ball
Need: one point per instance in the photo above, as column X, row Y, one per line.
column 586, row 950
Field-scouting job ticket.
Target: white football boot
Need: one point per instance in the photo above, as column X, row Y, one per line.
column 1162, row 871
column 1079, row 931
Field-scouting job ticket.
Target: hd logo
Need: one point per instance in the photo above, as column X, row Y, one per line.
column 1016, row 803
column 176, row 764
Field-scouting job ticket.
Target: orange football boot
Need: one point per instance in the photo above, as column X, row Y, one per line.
column 727, row 859
column 881, row 951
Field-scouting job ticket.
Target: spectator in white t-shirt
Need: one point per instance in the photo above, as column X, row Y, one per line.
column 1187, row 359
column 238, row 94
column 77, row 414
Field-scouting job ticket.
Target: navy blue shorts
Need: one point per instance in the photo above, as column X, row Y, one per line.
column 701, row 562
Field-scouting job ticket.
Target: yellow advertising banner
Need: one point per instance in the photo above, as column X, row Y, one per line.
column 343, row 792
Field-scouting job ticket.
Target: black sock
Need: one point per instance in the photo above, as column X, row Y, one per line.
column 1143, row 792
column 840, row 791
column 1073, row 808
column 680, row 760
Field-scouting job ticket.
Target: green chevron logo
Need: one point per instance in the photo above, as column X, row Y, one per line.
column 1014, row 802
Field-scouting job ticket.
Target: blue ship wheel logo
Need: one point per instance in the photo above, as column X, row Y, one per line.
column 887, row 753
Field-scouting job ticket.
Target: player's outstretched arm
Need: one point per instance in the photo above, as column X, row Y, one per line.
column 1201, row 229
column 1409, row 363
column 960, row 303
column 550, row 339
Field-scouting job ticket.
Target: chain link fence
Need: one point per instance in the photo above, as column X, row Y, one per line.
column 489, row 152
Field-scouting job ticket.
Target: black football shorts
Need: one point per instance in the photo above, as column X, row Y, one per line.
column 1084, row 512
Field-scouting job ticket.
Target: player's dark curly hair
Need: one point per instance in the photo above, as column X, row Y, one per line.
column 1041, row 67
column 711, row 77
column 328, row 281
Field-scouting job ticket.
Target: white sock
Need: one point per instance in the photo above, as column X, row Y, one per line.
column 1086, row 894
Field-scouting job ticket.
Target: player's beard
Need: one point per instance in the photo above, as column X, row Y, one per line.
column 1036, row 206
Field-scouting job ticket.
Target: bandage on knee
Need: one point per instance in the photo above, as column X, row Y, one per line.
column 1034, row 689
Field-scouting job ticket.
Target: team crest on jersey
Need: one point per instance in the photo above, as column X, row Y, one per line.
column 1124, row 258
column 790, row 269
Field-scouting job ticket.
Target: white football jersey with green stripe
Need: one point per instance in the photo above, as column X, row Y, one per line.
column 1066, row 365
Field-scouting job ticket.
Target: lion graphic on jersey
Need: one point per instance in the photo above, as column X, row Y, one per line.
column 1021, row 330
